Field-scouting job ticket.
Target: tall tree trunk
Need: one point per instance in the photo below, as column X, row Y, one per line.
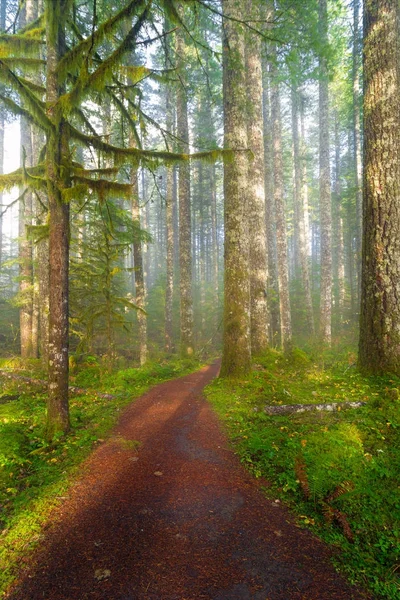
column 169, row 289
column 325, row 327
column 380, row 307
column 281, row 236
column 25, row 221
column 140, row 292
column 357, row 139
column 185, row 234
column 337, row 223
column 236, row 356
column 57, row 169
column 299, row 198
column 256, row 191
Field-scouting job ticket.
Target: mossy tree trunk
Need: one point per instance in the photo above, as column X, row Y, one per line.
column 325, row 327
column 185, row 219
column 380, row 292
column 57, row 170
column 256, row 190
column 236, row 355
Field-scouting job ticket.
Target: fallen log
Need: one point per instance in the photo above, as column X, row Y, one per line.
column 287, row 409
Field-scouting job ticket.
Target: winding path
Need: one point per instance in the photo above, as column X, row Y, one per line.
column 175, row 518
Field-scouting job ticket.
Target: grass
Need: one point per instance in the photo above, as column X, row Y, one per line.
column 338, row 471
column 35, row 475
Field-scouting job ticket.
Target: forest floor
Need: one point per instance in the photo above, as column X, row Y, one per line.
column 164, row 510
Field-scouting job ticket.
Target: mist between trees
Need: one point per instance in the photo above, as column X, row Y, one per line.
column 191, row 180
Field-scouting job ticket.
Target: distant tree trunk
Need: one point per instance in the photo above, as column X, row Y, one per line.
column 57, row 169
column 299, row 197
column 169, row 289
column 281, row 237
column 304, row 182
column 140, row 292
column 256, row 191
column 236, row 356
column 325, row 327
column 214, row 242
column 273, row 305
column 380, row 306
column 357, row 140
column 185, row 235
column 25, row 221
column 338, row 231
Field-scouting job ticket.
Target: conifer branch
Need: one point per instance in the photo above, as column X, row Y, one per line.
column 74, row 59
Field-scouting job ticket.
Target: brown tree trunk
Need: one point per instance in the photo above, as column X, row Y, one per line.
column 380, row 306
column 325, row 327
column 256, row 191
column 57, row 169
column 185, row 225
column 236, row 356
column 281, row 236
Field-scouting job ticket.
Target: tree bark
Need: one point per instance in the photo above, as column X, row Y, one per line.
column 185, row 224
column 325, row 327
column 57, row 168
column 256, row 190
column 281, row 236
column 380, row 306
column 236, row 356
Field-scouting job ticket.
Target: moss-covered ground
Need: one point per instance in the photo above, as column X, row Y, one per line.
column 339, row 471
column 35, row 475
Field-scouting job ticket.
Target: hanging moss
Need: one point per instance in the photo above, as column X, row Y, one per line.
column 20, row 44
column 74, row 59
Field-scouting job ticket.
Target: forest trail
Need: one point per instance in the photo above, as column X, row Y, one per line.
column 175, row 517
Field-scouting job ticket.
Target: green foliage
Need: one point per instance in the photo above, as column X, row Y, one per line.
column 348, row 460
column 101, row 306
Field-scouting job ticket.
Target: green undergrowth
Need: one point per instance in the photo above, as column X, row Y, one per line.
column 339, row 471
column 35, row 475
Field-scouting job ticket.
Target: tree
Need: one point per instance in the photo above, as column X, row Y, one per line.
column 325, row 183
column 380, row 292
column 88, row 68
column 256, row 190
column 236, row 354
column 185, row 225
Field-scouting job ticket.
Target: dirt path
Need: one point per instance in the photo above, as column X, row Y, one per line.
column 176, row 519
